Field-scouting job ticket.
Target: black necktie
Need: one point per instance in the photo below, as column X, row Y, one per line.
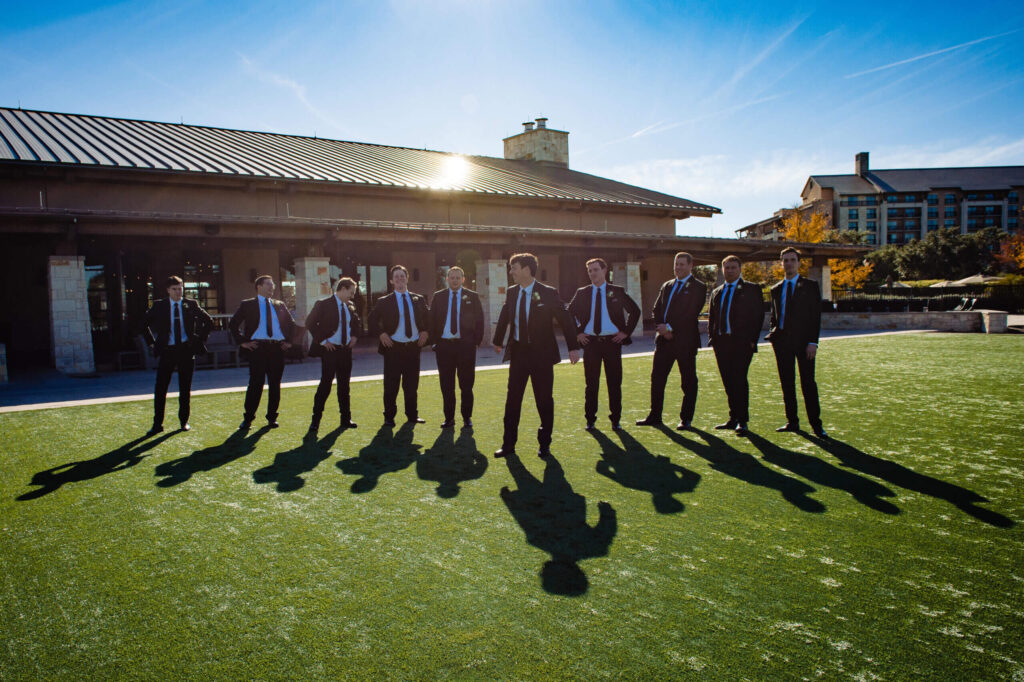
column 453, row 314
column 270, row 324
column 521, row 326
column 408, row 315
column 343, row 323
column 598, row 311
column 176, row 321
column 728, row 308
column 788, row 302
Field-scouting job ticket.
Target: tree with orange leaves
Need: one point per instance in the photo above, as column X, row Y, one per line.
column 1011, row 253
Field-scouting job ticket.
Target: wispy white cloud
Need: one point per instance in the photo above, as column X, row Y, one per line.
column 993, row 151
column 741, row 72
column 298, row 90
column 929, row 54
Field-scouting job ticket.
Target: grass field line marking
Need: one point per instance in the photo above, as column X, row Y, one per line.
column 369, row 377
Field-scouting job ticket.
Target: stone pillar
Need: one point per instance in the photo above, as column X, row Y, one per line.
column 823, row 273
column 628, row 275
column 70, row 328
column 312, row 282
column 492, row 283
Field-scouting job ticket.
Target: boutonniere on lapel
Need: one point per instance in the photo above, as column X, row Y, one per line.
column 536, row 296
column 465, row 299
column 611, row 294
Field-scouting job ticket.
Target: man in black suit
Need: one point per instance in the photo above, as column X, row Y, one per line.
column 734, row 325
column 529, row 313
column 456, row 328
column 334, row 325
column 675, row 314
column 176, row 331
column 605, row 319
column 400, row 321
column 793, row 331
column 263, row 329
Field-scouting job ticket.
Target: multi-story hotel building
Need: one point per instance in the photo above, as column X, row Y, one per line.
column 895, row 206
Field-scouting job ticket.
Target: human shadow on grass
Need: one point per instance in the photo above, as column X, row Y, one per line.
column 631, row 465
column 287, row 466
column 388, row 452
column 745, row 467
column 554, row 518
column 864, row 490
column 118, row 459
column 897, row 474
column 238, row 445
column 450, row 461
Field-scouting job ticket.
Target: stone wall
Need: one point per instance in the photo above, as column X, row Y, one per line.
column 70, row 329
column 628, row 275
column 312, row 282
column 492, row 284
column 983, row 321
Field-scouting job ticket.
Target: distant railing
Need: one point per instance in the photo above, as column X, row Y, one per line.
column 1008, row 297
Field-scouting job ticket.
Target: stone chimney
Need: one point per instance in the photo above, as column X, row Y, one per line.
column 540, row 144
column 860, row 164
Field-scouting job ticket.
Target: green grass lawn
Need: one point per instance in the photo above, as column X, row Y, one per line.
column 893, row 552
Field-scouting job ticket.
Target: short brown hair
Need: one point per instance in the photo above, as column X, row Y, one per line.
column 525, row 260
column 730, row 258
column 789, row 249
column 683, row 254
column 391, row 272
column 173, row 280
column 260, row 279
column 601, row 261
column 345, row 283
column 456, row 267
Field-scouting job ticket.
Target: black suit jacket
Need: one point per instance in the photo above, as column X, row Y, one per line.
column 623, row 310
column 746, row 314
column 246, row 321
column 384, row 316
column 682, row 315
column 803, row 313
column 198, row 325
column 322, row 322
column 545, row 308
column 471, row 316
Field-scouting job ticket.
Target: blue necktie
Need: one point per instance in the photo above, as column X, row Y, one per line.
column 672, row 293
column 728, row 307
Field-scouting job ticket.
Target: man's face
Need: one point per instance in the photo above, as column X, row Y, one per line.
column 731, row 270
column 345, row 294
column 455, row 278
column 399, row 280
column 597, row 274
column 683, row 268
column 791, row 264
column 266, row 288
column 520, row 275
column 176, row 291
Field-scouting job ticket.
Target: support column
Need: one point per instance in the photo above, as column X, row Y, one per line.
column 312, row 282
column 70, row 329
column 822, row 273
column 492, row 283
column 627, row 275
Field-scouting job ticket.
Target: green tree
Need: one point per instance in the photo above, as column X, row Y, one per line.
column 947, row 254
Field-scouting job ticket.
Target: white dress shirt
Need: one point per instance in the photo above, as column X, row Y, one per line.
column 181, row 313
column 608, row 327
column 399, row 334
column 343, row 323
column 519, row 298
column 261, row 331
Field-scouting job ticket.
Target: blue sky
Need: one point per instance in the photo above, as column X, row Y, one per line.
column 731, row 104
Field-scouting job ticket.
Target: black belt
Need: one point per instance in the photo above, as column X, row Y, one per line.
column 267, row 342
column 603, row 337
column 405, row 343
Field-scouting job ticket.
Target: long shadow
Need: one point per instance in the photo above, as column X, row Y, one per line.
column 118, row 459
column 631, row 465
column 554, row 518
column 450, row 462
column 740, row 465
column 897, row 474
column 288, row 465
column 238, row 445
column 386, row 453
column 864, row 490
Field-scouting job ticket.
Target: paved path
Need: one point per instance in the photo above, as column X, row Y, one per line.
column 44, row 389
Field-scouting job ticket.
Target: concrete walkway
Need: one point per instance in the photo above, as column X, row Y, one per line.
column 45, row 389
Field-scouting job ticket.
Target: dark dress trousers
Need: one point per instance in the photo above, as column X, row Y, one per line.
column 456, row 357
column 681, row 315
column 624, row 314
column 733, row 331
column 533, row 359
column 322, row 323
column 174, row 355
column 790, row 334
column 402, row 360
column 266, row 361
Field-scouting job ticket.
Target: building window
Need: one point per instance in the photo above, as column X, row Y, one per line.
column 989, row 196
column 909, row 198
column 972, row 197
column 950, row 222
column 204, row 282
column 893, row 212
column 872, row 239
column 933, row 213
column 1012, row 197
column 96, row 293
column 892, row 198
column 990, row 210
column 989, row 222
column 933, row 225
column 1011, row 224
column 912, row 212
column 910, row 225
column 853, row 225
column 950, row 212
column 933, row 199
column 852, row 215
column 872, row 213
column 851, row 201
column 894, row 238
column 950, row 198
column 971, row 223
column 870, row 225
column 870, row 201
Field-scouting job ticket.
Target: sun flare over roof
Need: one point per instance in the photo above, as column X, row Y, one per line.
column 453, row 172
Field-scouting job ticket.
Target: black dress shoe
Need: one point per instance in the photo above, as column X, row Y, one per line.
column 272, row 424
column 155, row 429
column 245, row 425
column 416, row 420
column 347, row 424
column 789, row 426
column 741, row 429
column 448, row 424
column 616, row 426
column 820, row 433
column 683, row 426
column 389, row 422
column 544, row 451
column 185, row 426
column 590, row 425
column 468, row 424
column 649, row 421
column 731, row 424
column 504, row 452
